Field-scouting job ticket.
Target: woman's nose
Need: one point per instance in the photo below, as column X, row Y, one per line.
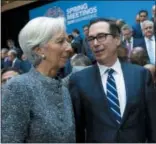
column 68, row 47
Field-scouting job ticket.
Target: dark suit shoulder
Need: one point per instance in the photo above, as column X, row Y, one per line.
column 133, row 67
column 83, row 74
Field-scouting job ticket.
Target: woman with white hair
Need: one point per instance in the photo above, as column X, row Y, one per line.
column 36, row 107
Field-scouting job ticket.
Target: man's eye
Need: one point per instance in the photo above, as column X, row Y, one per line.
column 101, row 36
column 90, row 38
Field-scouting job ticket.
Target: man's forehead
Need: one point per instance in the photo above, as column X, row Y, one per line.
column 147, row 25
column 98, row 28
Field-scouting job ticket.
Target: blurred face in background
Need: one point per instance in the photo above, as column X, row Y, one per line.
column 4, row 54
column 10, row 44
column 143, row 16
column 10, row 56
column 85, row 31
column 148, row 30
column 127, row 34
column 8, row 75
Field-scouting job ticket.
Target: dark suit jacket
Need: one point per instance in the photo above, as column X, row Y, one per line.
column 17, row 64
column 137, row 32
column 137, row 42
column 143, row 43
column 6, row 63
column 93, row 113
column 25, row 66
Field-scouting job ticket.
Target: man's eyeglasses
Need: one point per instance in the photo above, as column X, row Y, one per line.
column 100, row 37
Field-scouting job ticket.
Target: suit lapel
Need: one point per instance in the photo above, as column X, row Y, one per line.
column 129, row 89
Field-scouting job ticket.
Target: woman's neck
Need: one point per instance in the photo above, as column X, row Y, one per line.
column 46, row 70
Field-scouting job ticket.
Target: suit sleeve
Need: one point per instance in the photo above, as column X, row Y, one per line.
column 78, row 111
column 150, row 108
column 15, row 114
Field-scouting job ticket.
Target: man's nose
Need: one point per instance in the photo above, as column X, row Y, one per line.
column 95, row 42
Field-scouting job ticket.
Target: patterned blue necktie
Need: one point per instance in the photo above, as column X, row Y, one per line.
column 112, row 96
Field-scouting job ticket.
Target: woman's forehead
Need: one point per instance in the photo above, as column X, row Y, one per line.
column 60, row 34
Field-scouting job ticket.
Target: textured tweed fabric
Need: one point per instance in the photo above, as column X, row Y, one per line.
column 36, row 109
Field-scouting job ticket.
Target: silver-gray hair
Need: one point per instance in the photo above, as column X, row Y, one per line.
column 126, row 27
column 4, row 50
column 147, row 22
column 37, row 33
column 13, row 52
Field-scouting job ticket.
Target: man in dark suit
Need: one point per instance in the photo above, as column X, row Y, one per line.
column 5, row 62
column 11, row 46
column 128, row 40
column 113, row 101
column 149, row 40
column 16, row 63
column 77, row 39
column 137, row 28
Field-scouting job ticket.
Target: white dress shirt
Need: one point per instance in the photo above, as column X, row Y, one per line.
column 150, row 46
column 120, row 84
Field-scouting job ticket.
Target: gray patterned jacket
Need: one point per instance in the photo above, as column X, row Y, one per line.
column 36, row 109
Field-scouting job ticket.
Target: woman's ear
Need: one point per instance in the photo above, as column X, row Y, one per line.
column 38, row 51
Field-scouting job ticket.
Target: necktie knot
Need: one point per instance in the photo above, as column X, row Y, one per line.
column 110, row 71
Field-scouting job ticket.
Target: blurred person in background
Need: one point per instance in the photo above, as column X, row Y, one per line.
column 153, row 13
column 137, row 27
column 152, row 69
column 77, row 39
column 128, row 40
column 123, row 53
column 11, row 45
column 25, row 64
column 8, row 73
column 16, row 62
column 85, row 46
column 137, row 18
column 5, row 62
column 138, row 56
column 149, row 40
column 120, row 23
column 36, row 107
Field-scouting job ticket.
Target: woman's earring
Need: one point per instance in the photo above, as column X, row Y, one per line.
column 43, row 57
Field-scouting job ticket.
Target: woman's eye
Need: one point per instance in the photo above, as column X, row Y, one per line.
column 61, row 40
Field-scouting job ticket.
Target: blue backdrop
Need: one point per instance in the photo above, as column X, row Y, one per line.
column 79, row 13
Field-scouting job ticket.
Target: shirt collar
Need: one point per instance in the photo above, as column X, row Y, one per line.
column 116, row 67
column 14, row 60
column 152, row 38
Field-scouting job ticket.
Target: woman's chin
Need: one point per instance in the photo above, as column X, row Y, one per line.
column 62, row 64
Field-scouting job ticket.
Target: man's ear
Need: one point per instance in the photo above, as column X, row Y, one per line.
column 118, row 41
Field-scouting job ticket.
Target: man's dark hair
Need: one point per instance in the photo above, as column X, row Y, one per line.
column 76, row 31
column 114, row 29
column 143, row 11
column 75, row 46
column 86, row 25
column 70, row 36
